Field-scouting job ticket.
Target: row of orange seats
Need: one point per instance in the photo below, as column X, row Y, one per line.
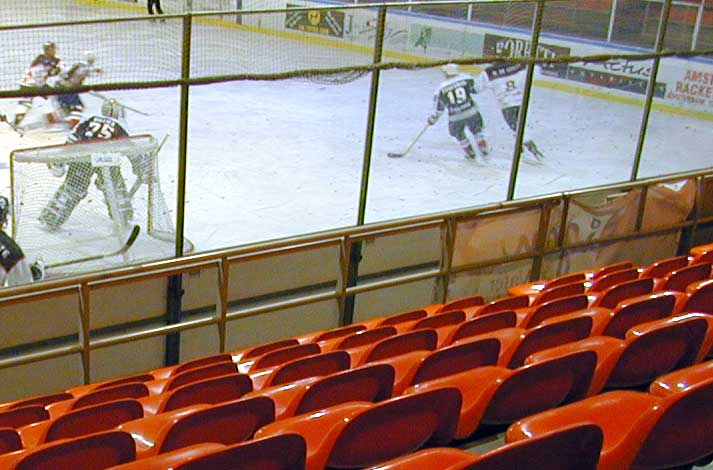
column 427, row 335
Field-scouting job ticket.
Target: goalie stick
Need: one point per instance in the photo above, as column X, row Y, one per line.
column 129, row 242
column 137, row 183
column 134, row 110
column 15, row 128
column 402, row 154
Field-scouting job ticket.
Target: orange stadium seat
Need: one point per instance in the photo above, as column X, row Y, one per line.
column 332, row 334
column 360, row 338
column 682, row 379
column 680, row 279
column 534, row 288
column 166, row 372
column 310, row 366
column 558, row 292
column 208, row 391
column 606, row 281
column 10, row 440
column 497, row 395
column 354, row 434
column 171, row 460
column 482, row 324
column 397, row 318
column 505, row 303
column 640, row 430
column 577, row 447
column 42, row 400
column 609, row 298
column 19, row 417
column 439, row 320
column 462, row 303
column 637, row 310
column 662, row 267
column 699, row 298
column 278, row 357
column 259, row 350
column 101, row 395
column 534, row 316
column 84, row 389
column 192, row 375
column 419, row 340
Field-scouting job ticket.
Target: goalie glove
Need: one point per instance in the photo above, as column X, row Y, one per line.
column 433, row 118
column 38, row 270
column 58, row 170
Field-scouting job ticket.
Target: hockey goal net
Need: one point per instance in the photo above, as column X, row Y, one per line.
column 123, row 189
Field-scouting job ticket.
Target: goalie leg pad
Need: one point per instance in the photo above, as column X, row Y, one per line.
column 73, row 189
column 116, row 189
column 510, row 115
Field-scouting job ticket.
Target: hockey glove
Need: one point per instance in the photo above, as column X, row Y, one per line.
column 38, row 270
column 433, row 118
column 58, row 170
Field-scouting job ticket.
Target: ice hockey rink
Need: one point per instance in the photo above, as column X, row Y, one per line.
column 269, row 159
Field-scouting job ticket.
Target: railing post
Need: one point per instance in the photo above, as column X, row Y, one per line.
column 85, row 326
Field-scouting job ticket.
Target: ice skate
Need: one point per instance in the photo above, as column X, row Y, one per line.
column 483, row 147
column 532, row 148
column 470, row 153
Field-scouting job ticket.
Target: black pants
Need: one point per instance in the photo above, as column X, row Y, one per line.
column 154, row 3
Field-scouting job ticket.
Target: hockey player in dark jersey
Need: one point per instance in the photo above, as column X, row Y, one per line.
column 14, row 268
column 456, row 94
column 79, row 174
column 70, row 105
column 507, row 82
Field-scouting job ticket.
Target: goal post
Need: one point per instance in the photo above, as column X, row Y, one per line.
column 106, row 187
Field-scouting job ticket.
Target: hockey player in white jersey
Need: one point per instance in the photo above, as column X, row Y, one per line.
column 44, row 66
column 79, row 174
column 456, row 94
column 70, row 105
column 14, row 267
column 507, row 82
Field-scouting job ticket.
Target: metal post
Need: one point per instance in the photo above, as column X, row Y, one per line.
column 522, row 117
column 651, row 88
column 355, row 252
column 612, row 17
column 85, row 331
column 697, row 25
column 175, row 289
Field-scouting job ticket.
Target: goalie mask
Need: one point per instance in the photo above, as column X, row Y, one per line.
column 49, row 48
column 4, row 211
column 113, row 109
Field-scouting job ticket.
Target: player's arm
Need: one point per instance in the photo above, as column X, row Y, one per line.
column 439, row 105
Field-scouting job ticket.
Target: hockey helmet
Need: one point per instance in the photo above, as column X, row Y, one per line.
column 450, row 70
column 89, row 57
column 49, row 48
column 113, row 109
column 4, row 210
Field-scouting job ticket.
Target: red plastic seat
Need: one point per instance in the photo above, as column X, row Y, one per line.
column 505, row 303
column 373, row 382
column 209, row 391
column 640, row 309
column 699, row 298
column 566, row 290
column 419, row 340
column 261, row 349
column 640, row 430
column 101, row 395
column 681, row 278
column 682, row 379
column 439, row 320
column 353, row 435
column 611, row 268
column 575, row 447
column 225, row 423
column 278, row 357
column 166, row 372
column 84, row 389
column 496, row 395
column 92, row 452
column 363, row 338
column 534, row 288
column 337, row 333
column 462, row 303
column 83, row 421
column 535, row 315
column 42, row 400
column 609, row 298
column 606, row 281
column 399, row 318
column 310, row 366
column 481, row 325
column 19, row 417
column 663, row 267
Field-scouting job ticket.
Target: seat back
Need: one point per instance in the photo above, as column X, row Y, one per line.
column 409, row 421
column 682, row 433
column 227, row 423
column 566, row 279
column 339, row 333
column 311, row 366
column 200, row 373
column 42, row 400
column 484, row 324
column 701, row 298
column 126, row 380
column 93, row 419
column 280, row 356
column 558, row 292
column 452, row 317
column 262, row 349
column 200, row 362
column 411, row 315
column 9, row 440
column 541, row 386
column 283, row 452
column 210, row 391
column 117, row 392
column 671, row 344
column 462, row 303
column 663, row 267
column 615, row 294
column 556, row 307
column 93, row 452
column 453, row 359
column 678, row 280
column 366, row 337
column 610, row 268
column 606, row 281
column 23, row 416
column 372, row 383
column 506, row 303
column 548, row 336
column 571, row 447
column 639, row 310
column 418, row 340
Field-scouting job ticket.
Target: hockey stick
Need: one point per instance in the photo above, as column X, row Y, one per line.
column 129, row 242
column 15, row 128
column 99, row 95
column 402, row 154
column 137, row 183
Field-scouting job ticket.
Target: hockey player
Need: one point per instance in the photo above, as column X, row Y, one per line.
column 14, row 268
column 79, row 174
column 507, row 82
column 456, row 94
column 44, row 66
column 70, row 105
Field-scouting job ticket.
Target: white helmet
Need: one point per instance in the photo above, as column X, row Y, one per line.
column 450, row 70
column 4, row 211
column 113, row 109
column 89, row 57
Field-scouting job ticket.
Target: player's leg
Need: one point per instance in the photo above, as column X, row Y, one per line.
column 115, row 194
column 69, row 108
column 73, row 189
column 475, row 125
column 457, row 130
column 511, row 115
